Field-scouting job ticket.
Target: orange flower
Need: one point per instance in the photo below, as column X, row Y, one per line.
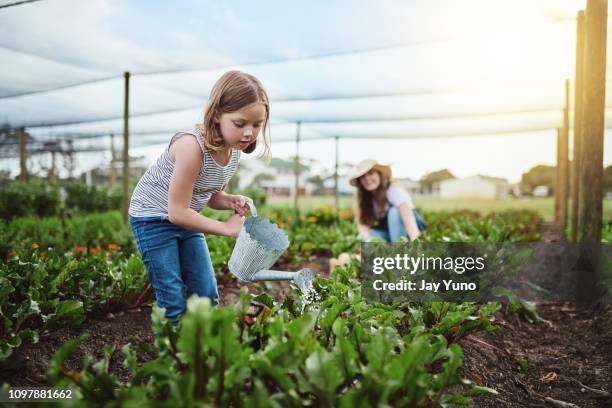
column 312, row 218
column 94, row 250
column 12, row 253
column 35, row 246
column 113, row 247
column 80, row 249
column 346, row 214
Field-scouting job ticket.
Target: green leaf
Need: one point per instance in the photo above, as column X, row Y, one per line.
column 324, row 373
column 67, row 312
column 303, row 325
column 65, row 351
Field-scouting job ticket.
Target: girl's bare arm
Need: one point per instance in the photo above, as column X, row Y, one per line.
column 187, row 162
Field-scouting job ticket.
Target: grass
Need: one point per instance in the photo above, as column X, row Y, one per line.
column 544, row 206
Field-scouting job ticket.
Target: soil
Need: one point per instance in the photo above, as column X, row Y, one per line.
column 566, row 353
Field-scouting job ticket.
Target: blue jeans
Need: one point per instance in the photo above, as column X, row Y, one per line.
column 395, row 226
column 177, row 262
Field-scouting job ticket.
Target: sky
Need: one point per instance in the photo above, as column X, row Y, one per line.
column 475, row 86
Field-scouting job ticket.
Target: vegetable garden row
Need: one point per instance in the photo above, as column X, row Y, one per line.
column 341, row 351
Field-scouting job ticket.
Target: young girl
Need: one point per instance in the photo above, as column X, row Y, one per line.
column 383, row 209
column 190, row 174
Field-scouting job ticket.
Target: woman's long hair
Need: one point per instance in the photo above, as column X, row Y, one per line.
column 366, row 200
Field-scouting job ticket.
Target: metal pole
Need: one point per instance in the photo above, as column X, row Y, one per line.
column 297, row 170
column 23, row 175
column 578, row 99
column 336, row 199
column 591, row 174
column 126, row 157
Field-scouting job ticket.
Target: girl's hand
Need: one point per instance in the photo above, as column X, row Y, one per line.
column 234, row 225
column 238, row 203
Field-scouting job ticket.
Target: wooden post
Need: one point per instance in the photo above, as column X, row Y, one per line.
column 561, row 182
column 23, row 174
column 52, row 170
column 297, row 170
column 591, row 174
column 578, row 99
column 126, row 144
column 113, row 172
column 336, row 200
column 590, row 204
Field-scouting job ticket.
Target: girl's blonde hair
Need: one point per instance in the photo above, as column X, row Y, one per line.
column 232, row 92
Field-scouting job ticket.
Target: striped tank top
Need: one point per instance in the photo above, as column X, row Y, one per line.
column 150, row 197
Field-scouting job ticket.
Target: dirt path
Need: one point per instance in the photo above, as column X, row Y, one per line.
column 566, row 353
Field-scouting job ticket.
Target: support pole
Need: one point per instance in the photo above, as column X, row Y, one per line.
column 590, row 204
column 591, row 174
column 53, row 170
column 336, row 199
column 297, row 170
column 578, row 109
column 113, row 172
column 562, row 178
column 126, row 144
column 23, row 174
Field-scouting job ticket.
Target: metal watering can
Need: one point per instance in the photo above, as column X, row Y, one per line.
column 260, row 244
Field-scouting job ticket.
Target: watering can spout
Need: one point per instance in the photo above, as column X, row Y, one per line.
column 302, row 278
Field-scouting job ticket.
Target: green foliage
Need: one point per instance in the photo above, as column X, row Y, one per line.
column 606, row 234
column 36, row 197
column 540, row 175
column 81, row 198
column 343, row 351
column 525, row 308
column 52, row 290
column 79, row 233
column 257, row 194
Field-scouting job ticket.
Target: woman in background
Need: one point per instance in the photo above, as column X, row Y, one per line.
column 383, row 208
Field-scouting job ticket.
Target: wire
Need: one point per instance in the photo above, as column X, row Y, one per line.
column 18, row 3
column 298, row 99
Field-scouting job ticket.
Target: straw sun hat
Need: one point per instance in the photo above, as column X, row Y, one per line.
column 365, row 166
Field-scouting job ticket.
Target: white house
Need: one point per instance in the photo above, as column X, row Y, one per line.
column 281, row 179
column 412, row 186
column 475, row 187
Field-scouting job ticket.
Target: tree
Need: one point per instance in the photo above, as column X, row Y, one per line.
column 540, row 175
column 260, row 178
column 430, row 179
column 319, row 183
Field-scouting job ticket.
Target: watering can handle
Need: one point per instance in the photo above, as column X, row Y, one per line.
column 252, row 208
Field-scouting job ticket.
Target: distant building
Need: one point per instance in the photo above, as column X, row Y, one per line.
column 475, row 187
column 344, row 185
column 277, row 178
column 411, row 186
column 106, row 174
